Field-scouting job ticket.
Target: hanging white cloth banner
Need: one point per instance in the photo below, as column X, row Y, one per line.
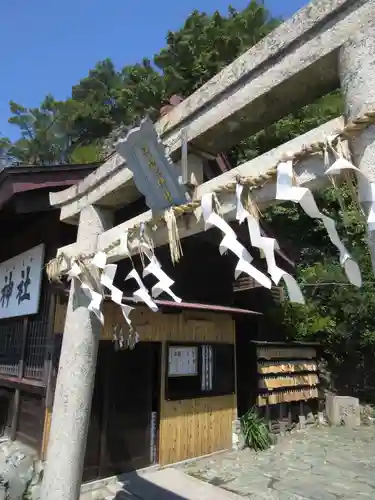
column 268, row 246
column 231, row 243
column 343, row 164
column 287, row 192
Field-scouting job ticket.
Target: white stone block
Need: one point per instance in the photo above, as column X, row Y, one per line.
column 343, row 410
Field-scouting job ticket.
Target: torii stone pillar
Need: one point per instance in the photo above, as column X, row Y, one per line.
column 75, row 381
column 357, row 72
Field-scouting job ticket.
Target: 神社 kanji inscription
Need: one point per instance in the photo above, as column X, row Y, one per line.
column 20, row 283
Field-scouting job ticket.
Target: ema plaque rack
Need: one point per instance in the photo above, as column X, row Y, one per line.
column 287, row 381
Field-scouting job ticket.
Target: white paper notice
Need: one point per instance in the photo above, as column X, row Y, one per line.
column 182, row 361
column 267, row 246
column 287, row 192
column 231, row 243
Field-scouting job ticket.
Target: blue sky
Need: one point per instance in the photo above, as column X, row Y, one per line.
column 47, row 45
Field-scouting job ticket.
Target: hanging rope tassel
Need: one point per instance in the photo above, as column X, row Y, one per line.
column 344, row 151
column 251, row 205
column 326, row 158
column 173, row 235
column 53, row 269
column 253, row 209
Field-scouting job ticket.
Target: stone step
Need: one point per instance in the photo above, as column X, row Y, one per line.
column 99, row 494
column 167, row 484
column 122, row 495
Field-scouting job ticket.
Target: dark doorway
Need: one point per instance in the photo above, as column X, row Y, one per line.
column 30, row 420
column 6, row 402
column 125, row 407
column 246, row 367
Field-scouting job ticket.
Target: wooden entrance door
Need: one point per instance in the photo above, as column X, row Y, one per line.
column 129, row 409
column 123, row 402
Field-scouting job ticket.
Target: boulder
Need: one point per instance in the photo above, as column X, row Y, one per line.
column 17, row 469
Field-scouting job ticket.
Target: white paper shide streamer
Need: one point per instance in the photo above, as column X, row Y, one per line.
column 99, row 275
column 268, row 246
column 287, row 192
column 108, row 272
column 231, row 243
column 164, row 281
column 344, row 164
column 93, row 279
column 141, row 294
column 81, row 274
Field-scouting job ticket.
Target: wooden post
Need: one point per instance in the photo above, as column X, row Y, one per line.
column 164, row 353
column 49, row 350
column 21, row 365
column 17, row 393
column 103, row 459
column 15, row 414
column 289, row 415
column 48, row 375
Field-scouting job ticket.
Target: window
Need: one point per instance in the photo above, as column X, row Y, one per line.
column 196, row 370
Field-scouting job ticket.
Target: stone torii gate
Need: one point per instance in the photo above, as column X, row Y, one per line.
column 327, row 44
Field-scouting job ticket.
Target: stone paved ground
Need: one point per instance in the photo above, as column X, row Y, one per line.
column 321, row 464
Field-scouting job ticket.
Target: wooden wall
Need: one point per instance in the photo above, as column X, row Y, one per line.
column 30, row 420
column 192, row 427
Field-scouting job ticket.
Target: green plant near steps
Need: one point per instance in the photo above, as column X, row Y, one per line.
column 256, row 433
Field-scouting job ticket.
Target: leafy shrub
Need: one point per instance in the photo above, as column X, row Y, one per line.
column 256, row 433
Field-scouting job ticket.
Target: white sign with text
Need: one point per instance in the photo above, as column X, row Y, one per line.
column 183, row 361
column 20, row 283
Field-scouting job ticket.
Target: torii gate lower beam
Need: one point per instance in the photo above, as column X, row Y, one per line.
column 309, row 172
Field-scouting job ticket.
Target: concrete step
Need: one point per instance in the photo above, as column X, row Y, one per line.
column 102, row 493
column 167, row 484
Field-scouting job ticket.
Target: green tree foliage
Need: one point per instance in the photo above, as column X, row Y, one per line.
column 289, row 127
column 337, row 315
column 45, row 132
column 96, row 102
column 108, row 98
column 206, row 44
column 5, row 146
column 142, row 92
